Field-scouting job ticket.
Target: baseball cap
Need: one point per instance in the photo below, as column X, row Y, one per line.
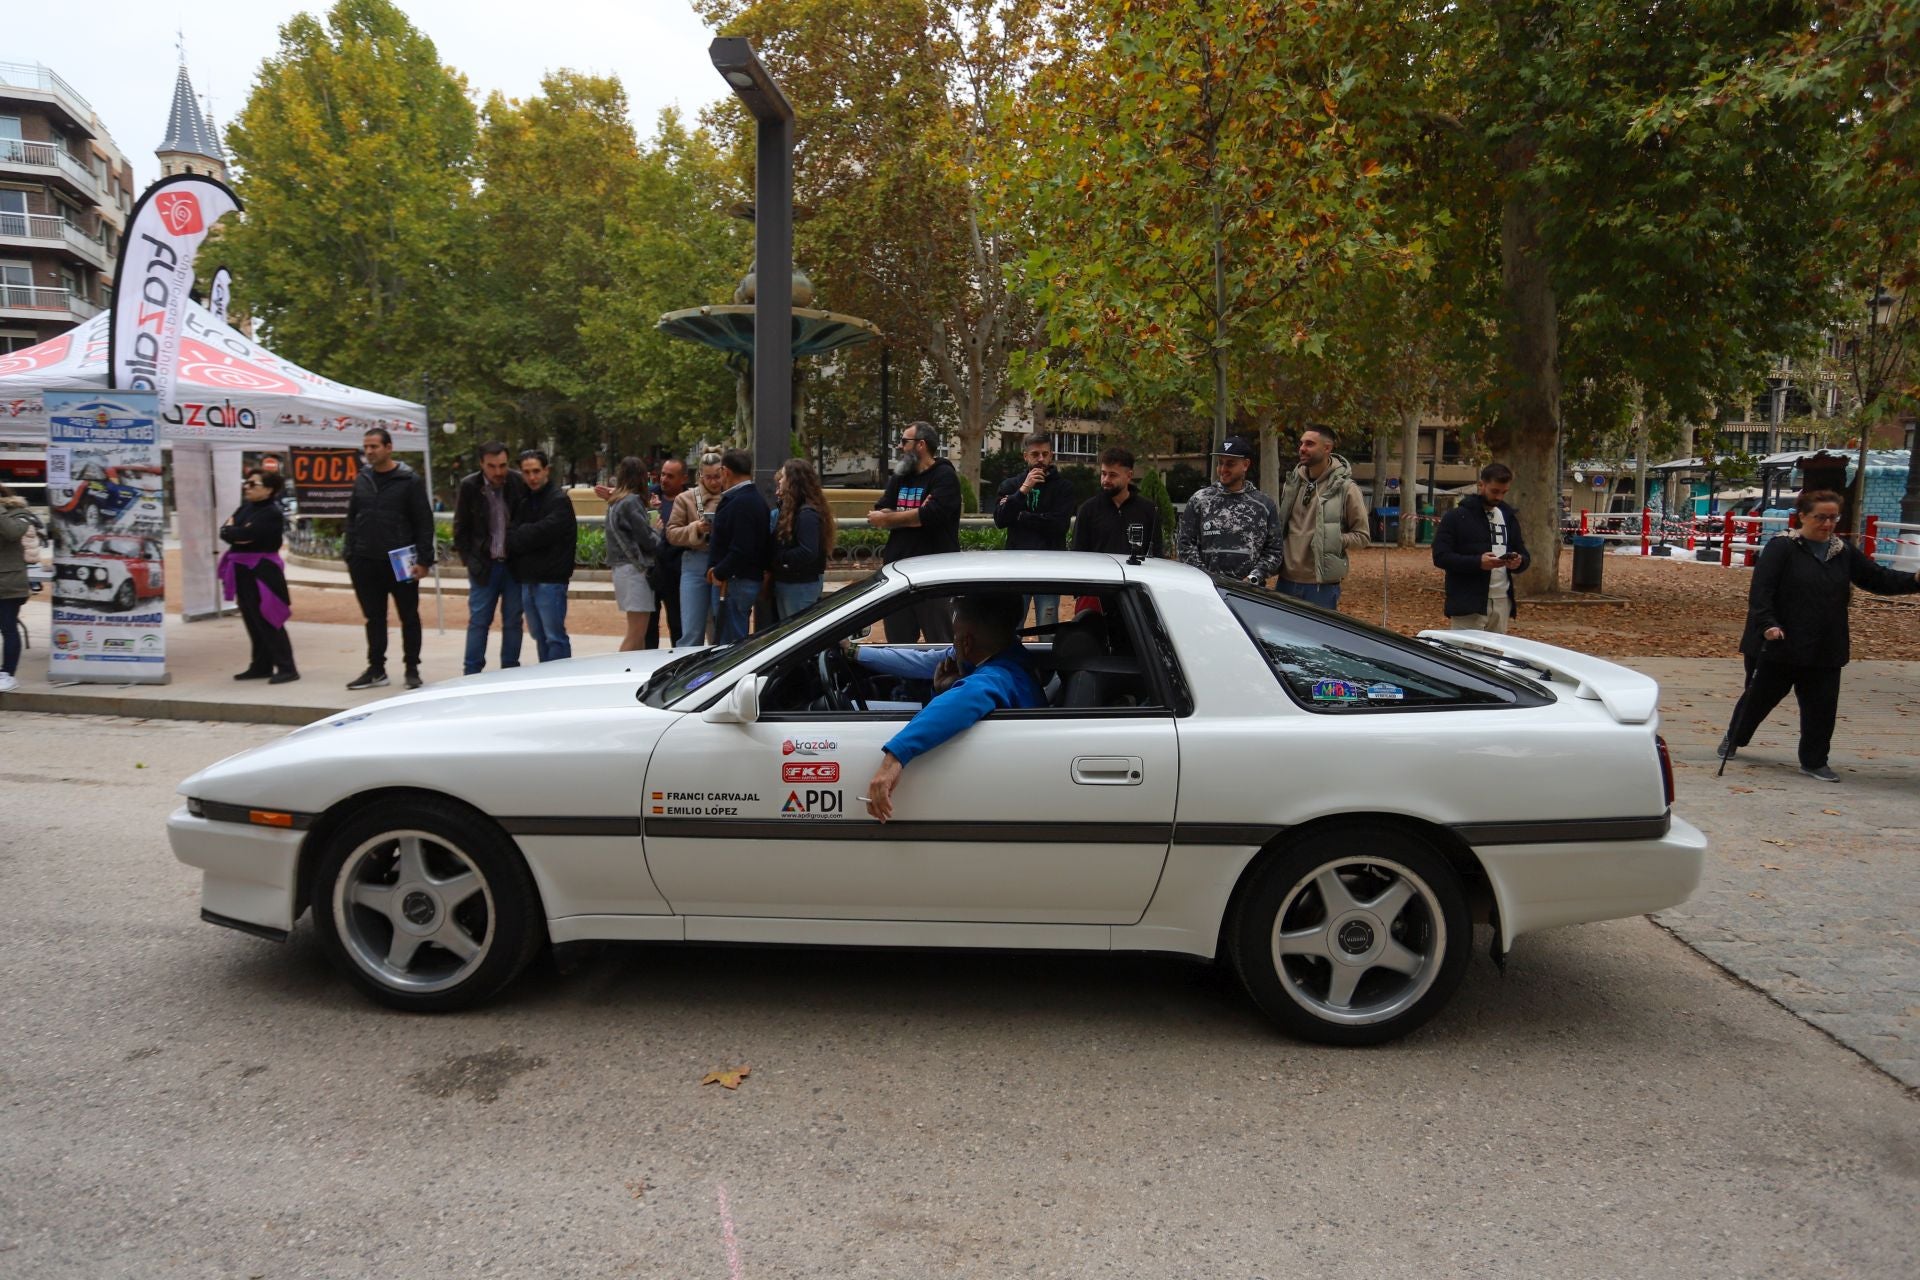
column 1235, row 447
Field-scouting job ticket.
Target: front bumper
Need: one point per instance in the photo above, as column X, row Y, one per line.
column 1537, row 886
column 250, row 872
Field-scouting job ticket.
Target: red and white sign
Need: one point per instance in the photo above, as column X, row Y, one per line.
column 824, row 771
column 154, row 278
column 179, row 213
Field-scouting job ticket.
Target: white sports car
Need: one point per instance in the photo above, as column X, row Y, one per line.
column 1220, row 772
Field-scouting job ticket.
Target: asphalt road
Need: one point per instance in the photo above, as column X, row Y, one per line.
column 180, row 1100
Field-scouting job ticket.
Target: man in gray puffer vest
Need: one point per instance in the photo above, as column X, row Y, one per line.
column 1326, row 517
column 1230, row 527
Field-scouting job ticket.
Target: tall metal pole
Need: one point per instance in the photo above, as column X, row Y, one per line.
column 772, row 299
column 886, row 419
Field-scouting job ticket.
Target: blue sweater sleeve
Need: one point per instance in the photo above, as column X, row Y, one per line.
column 906, row 663
column 953, row 712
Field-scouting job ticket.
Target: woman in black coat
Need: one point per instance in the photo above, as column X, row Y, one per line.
column 256, row 578
column 1796, row 636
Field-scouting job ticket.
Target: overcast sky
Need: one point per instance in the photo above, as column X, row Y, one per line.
column 120, row 55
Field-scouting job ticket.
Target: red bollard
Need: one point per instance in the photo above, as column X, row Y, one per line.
column 1646, row 531
column 1726, row 541
column 1583, row 522
column 1872, row 537
column 1753, row 541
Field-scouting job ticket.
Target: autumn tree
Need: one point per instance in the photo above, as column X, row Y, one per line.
column 896, row 110
column 353, row 157
column 1193, row 185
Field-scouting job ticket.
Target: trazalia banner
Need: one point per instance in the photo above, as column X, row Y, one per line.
column 154, row 277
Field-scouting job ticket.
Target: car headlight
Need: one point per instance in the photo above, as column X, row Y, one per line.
column 195, row 808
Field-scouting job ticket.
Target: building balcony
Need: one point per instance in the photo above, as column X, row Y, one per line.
column 31, row 82
column 44, row 305
column 40, row 161
column 50, row 231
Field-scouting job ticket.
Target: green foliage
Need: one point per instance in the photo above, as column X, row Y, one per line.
column 969, row 496
column 1183, row 481
column 998, row 465
column 590, row 545
column 990, row 538
column 353, row 157
column 1085, row 481
column 1153, row 487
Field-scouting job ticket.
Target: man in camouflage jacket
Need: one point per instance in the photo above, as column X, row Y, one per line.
column 1230, row 527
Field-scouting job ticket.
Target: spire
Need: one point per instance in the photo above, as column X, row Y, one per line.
column 188, row 130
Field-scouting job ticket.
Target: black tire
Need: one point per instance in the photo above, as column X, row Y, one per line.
column 1385, row 959
column 435, row 875
column 123, row 596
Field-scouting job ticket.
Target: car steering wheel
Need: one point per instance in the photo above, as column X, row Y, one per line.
column 842, row 682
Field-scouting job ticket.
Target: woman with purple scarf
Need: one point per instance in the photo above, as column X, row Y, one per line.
column 252, row 573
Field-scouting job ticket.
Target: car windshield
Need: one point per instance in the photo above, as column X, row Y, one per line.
column 686, row 675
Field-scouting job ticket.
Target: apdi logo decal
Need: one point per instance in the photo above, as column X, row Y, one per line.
column 812, row 803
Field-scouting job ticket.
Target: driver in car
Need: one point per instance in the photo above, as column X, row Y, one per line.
column 991, row 670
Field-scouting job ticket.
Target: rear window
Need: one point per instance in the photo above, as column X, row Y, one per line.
column 1337, row 665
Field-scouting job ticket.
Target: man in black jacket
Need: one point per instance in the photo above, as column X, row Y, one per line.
column 483, row 508
column 1035, row 508
column 1797, row 635
column 1479, row 546
column 389, row 548
column 920, row 511
column 1118, row 519
column 741, row 546
column 542, row 542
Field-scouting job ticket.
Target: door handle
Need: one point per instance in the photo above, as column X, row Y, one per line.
column 1108, row 771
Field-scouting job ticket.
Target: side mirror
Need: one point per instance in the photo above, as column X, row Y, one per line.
column 740, row 706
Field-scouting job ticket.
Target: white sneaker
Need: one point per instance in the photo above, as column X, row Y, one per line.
column 7, row 682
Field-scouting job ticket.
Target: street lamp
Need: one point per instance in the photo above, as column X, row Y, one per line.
column 756, row 88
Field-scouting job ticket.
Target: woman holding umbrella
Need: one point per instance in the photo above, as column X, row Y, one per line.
column 1797, row 628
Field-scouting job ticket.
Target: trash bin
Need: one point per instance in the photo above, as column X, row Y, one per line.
column 1386, row 524
column 1425, row 531
column 1589, row 562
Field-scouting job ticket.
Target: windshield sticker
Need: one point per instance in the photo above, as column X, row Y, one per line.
column 1338, row 691
column 1384, row 692
column 699, row 680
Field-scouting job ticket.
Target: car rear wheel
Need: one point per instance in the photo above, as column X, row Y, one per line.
column 1352, row 936
column 425, row 906
column 123, row 597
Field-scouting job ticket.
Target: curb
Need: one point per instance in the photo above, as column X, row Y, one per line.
column 114, row 704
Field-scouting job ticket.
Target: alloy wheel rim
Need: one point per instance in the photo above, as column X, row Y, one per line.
column 1358, row 940
column 414, row 911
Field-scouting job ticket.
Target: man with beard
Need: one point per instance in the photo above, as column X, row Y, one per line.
column 1117, row 519
column 1230, row 527
column 1326, row 518
column 921, row 512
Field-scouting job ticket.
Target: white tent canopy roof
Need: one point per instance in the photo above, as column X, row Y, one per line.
column 231, row 391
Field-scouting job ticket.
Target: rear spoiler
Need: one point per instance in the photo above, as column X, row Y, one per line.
column 1628, row 696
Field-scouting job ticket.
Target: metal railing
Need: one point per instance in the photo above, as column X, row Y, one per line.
column 32, row 75
column 33, row 297
column 45, row 155
column 53, row 227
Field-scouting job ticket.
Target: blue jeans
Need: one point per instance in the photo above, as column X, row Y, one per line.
column 1324, row 594
column 736, row 611
column 792, row 597
column 500, row 588
column 696, row 600
column 1046, row 610
column 546, row 606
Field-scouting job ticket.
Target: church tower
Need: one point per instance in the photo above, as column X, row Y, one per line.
column 191, row 144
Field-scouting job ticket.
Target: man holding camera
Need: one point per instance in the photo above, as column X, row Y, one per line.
column 1479, row 545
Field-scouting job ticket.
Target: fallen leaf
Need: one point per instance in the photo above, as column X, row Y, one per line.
column 637, row 1188
column 1832, row 813
column 1771, row 840
column 727, row 1079
column 1741, row 791
column 1770, row 866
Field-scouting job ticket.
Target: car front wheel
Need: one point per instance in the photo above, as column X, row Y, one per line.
column 1352, row 936
column 425, row 906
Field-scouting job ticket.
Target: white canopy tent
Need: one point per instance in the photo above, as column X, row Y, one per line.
column 232, row 394
column 231, row 391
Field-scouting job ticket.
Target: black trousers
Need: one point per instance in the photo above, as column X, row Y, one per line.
column 1816, row 689
column 272, row 647
column 932, row 619
column 374, row 584
column 667, row 602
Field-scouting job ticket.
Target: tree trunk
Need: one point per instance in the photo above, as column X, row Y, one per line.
column 1410, row 477
column 1530, row 414
column 1378, row 498
column 1270, row 472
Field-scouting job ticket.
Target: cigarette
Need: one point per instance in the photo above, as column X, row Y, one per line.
column 864, row 799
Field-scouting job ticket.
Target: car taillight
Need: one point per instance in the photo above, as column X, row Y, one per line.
column 1666, row 768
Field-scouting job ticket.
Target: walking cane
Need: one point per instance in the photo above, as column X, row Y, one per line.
column 1738, row 703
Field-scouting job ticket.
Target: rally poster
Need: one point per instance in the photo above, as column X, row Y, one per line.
column 109, row 524
column 323, row 480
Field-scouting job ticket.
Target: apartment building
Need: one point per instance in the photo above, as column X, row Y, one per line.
column 65, row 193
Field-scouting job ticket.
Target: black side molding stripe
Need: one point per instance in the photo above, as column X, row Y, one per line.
column 571, row 826
column 244, row 926
column 926, row 832
column 1571, row 831
column 214, row 811
column 1234, row 833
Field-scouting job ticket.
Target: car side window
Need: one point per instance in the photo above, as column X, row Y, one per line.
column 1334, row 668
